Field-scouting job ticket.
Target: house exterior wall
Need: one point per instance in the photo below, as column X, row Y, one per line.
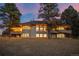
column 61, row 31
column 32, row 33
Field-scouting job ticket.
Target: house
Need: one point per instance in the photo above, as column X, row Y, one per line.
column 38, row 29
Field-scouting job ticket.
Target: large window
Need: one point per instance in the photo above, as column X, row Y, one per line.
column 16, row 29
column 45, row 28
column 37, row 28
column 60, row 28
column 60, row 35
column 37, row 35
column 45, row 35
column 25, row 35
column 41, row 35
column 53, row 29
column 40, row 28
column 27, row 27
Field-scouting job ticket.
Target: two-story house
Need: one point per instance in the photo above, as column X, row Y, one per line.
column 38, row 29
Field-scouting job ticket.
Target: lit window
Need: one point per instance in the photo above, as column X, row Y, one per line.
column 41, row 35
column 45, row 35
column 60, row 28
column 53, row 29
column 41, row 28
column 16, row 29
column 45, row 28
column 26, row 27
column 25, row 35
column 37, row 28
column 60, row 35
column 37, row 35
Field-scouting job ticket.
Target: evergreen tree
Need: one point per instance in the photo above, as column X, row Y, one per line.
column 10, row 14
column 48, row 11
column 70, row 16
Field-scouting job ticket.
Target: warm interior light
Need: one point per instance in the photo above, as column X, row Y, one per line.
column 41, row 27
column 45, row 35
column 53, row 29
column 16, row 29
column 37, row 28
column 60, row 28
column 37, row 35
column 60, row 35
column 26, row 27
column 41, row 35
column 25, row 35
column 45, row 28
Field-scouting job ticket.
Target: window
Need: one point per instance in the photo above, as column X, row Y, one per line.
column 37, row 28
column 37, row 35
column 25, row 35
column 16, row 29
column 60, row 35
column 41, row 28
column 41, row 35
column 26, row 27
column 45, row 28
column 60, row 28
column 45, row 35
column 53, row 29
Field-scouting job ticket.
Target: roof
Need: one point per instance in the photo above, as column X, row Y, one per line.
column 34, row 22
column 54, row 22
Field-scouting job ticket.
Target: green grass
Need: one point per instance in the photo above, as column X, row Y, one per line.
column 39, row 47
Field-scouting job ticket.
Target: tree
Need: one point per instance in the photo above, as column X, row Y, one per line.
column 70, row 16
column 10, row 14
column 48, row 11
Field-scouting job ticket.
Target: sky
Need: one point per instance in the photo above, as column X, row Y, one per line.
column 29, row 11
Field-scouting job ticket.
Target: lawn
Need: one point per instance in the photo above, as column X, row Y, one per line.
column 39, row 47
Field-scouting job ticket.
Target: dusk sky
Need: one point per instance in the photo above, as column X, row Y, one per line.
column 30, row 10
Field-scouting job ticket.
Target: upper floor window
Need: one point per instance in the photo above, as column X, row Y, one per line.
column 37, row 28
column 40, row 28
column 45, row 28
column 60, row 28
column 53, row 29
column 27, row 27
column 16, row 29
